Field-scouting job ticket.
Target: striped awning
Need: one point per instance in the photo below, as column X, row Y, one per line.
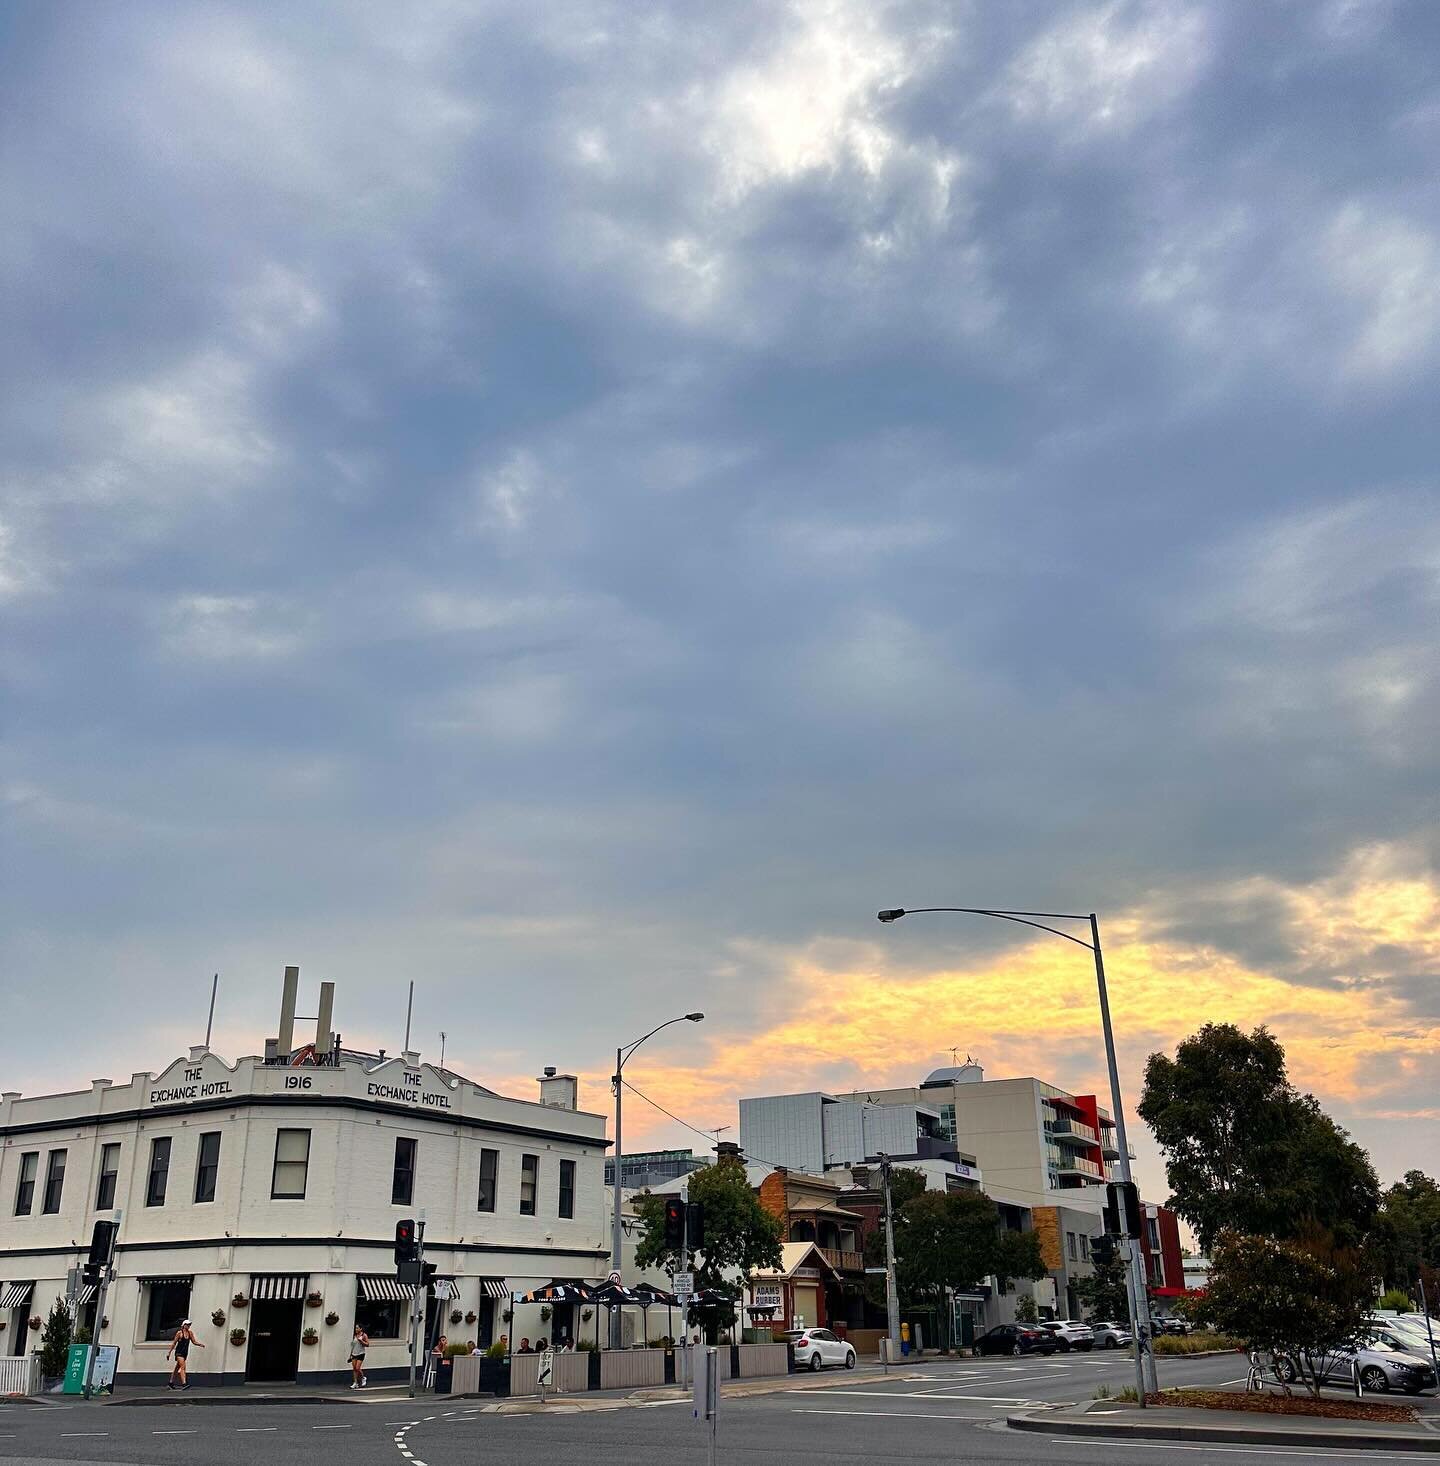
column 493, row 1288
column 444, row 1288
column 168, row 1278
column 16, row 1295
column 383, row 1288
column 86, row 1293
column 281, row 1286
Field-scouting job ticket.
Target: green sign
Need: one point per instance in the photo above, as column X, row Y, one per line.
column 75, row 1363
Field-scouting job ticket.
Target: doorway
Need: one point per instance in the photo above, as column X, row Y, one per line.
column 274, row 1352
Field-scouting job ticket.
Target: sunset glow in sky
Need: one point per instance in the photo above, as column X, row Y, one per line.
column 580, row 505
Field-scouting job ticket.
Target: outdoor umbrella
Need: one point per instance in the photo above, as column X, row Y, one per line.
column 612, row 1295
column 559, row 1292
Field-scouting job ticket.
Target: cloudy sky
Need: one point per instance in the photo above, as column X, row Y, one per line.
column 578, row 505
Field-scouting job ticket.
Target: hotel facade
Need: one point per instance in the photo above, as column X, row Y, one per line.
column 259, row 1200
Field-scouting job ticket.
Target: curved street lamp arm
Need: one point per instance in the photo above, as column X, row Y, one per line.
column 629, row 1049
column 1020, row 917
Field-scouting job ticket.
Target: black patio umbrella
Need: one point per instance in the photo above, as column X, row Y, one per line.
column 558, row 1292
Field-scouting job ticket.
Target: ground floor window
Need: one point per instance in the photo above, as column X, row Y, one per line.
column 381, row 1318
column 168, row 1306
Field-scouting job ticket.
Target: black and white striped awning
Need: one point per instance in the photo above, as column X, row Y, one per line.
column 16, row 1295
column 493, row 1288
column 86, row 1293
column 168, row 1278
column 443, row 1289
column 383, row 1288
column 287, row 1287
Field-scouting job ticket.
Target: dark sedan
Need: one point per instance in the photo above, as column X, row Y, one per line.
column 1014, row 1338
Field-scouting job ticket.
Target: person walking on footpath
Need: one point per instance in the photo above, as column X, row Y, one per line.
column 180, row 1347
column 358, row 1345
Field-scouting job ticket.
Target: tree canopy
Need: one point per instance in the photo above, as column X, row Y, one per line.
column 1245, row 1150
column 739, row 1234
column 1408, row 1234
column 1103, row 1294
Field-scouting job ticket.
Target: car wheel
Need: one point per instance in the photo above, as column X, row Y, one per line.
column 815, row 1361
column 1374, row 1378
column 1017, row 1350
column 1064, row 1345
column 1110, row 1342
column 1285, row 1370
column 850, row 1360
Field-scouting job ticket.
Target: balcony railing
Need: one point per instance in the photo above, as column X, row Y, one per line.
column 846, row 1261
column 1074, row 1130
column 1079, row 1166
column 1111, row 1150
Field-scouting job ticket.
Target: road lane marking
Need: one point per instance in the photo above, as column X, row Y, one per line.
column 887, row 1414
column 174, row 1432
column 71, row 1435
column 252, row 1429
column 330, row 1427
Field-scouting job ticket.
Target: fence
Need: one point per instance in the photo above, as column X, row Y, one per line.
column 758, row 1359
column 20, row 1375
column 631, row 1368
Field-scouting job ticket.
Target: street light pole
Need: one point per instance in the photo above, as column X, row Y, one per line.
column 1139, row 1291
column 617, row 1080
column 892, row 1293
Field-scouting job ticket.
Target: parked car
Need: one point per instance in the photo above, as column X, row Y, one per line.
column 1406, row 1331
column 1381, row 1369
column 815, row 1348
column 1015, row 1338
column 1173, row 1324
column 1068, row 1335
column 1111, row 1335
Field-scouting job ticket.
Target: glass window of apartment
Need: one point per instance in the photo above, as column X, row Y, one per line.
column 402, row 1183
column 166, row 1308
column 159, row 1171
column 109, row 1172
column 1152, row 1227
column 1070, row 1245
column 567, row 1188
column 529, row 1180
column 207, row 1165
column 292, row 1165
column 25, row 1188
column 380, row 1318
column 1084, row 1247
column 489, row 1171
column 54, row 1181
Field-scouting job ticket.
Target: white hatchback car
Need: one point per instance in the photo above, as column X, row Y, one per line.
column 815, row 1348
column 1069, row 1335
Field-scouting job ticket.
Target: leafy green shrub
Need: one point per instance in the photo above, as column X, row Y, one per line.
column 457, row 1351
column 495, row 1351
column 1396, row 1301
column 55, row 1341
column 1127, row 1394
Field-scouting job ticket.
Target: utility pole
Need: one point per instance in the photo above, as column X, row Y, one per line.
column 416, row 1310
column 104, row 1286
column 1139, row 1287
column 892, row 1292
column 616, row 1255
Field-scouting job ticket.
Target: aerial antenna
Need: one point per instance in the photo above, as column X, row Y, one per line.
column 955, row 1056
column 409, row 1008
column 210, row 1021
column 442, row 1048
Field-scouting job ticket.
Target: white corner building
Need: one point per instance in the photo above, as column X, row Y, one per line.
column 259, row 1199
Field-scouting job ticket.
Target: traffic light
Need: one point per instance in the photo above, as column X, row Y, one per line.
column 1125, row 1203
column 102, row 1244
column 1102, row 1250
column 407, row 1241
column 674, row 1223
column 695, row 1224
column 427, row 1273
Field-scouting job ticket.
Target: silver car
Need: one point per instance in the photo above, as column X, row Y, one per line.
column 1381, row 1368
column 1110, row 1335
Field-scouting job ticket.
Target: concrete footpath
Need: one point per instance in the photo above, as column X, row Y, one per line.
column 1103, row 1419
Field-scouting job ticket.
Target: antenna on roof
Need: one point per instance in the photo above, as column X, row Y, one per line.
column 409, row 1008
column 442, row 1048
column 210, row 1021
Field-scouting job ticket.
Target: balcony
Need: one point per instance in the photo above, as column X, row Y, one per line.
column 843, row 1260
column 1079, row 1166
column 1075, row 1132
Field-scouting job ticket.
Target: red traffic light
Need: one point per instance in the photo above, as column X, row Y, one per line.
column 407, row 1247
column 674, row 1222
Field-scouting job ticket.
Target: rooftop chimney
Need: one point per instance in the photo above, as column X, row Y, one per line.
column 324, row 1038
column 285, row 1040
column 559, row 1091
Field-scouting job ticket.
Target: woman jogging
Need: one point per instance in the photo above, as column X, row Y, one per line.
column 180, row 1347
column 358, row 1345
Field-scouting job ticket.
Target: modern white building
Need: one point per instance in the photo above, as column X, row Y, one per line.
column 259, row 1199
column 814, row 1132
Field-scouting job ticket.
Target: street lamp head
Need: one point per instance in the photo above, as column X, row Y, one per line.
column 891, row 915
column 695, row 1017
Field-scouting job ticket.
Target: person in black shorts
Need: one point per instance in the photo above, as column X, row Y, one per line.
column 358, row 1345
column 180, row 1347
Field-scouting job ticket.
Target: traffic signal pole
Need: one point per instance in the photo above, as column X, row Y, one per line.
column 415, row 1307
column 104, row 1287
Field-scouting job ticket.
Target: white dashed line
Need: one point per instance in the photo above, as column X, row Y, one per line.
column 330, row 1427
column 74, row 1435
column 174, row 1432
column 253, row 1429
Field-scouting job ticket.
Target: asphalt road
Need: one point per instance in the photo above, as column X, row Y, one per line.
column 948, row 1411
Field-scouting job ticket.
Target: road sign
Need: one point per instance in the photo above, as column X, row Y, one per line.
column 547, row 1368
column 614, row 1277
column 684, row 1285
column 876, row 1272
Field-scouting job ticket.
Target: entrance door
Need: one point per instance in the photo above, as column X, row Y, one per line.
column 274, row 1352
column 485, row 1329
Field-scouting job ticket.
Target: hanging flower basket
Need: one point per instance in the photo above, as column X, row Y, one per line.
column 237, row 1336
column 218, row 1318
column 332, row 1318
column 310, row 1337
column 545, row 1313
column 507, row 1314
column 586, row 1314
column 456, row 1315
column 471, row 1316
column 240, row 1301
column 4, row 1324
column 35, row 1323
column 314, row 1300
